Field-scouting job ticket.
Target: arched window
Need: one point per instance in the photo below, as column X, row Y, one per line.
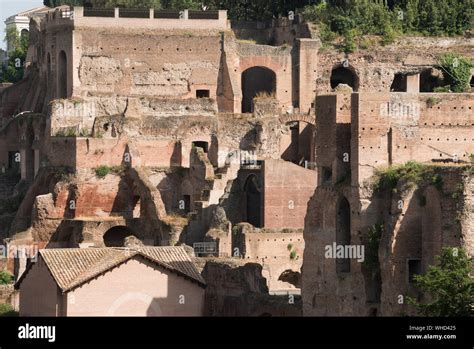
column 256, row 81
column 62, row 75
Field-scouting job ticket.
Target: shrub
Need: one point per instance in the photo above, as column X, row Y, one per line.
column 7, row 310
column 293, row 255
column 5, row 277
column 102, row 171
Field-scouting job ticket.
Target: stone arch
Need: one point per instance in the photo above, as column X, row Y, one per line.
column 290, row 276
column 343, row 233
column 344, row 75
column 115, row 236
column 62, row 75
column 300, row 140
column 253, row 201
column 256, row 80
column 308, row 118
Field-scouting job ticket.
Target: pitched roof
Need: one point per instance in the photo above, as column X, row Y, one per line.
column 71, row 267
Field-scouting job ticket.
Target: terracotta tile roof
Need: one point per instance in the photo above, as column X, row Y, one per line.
column 71, row 267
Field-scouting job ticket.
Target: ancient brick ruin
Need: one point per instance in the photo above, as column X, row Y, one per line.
column 182, row 131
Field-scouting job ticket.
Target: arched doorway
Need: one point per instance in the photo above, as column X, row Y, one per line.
column 342, row 75
column 253, row 198
column 255, row 81
column 62, row 75
column 343, row 233
column 115, row 237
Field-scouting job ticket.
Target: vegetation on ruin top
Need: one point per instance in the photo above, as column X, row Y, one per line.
column 388, row 19
column 410, row 174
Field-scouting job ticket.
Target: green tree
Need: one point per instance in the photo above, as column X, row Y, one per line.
column 14, row 69
column 449, row 285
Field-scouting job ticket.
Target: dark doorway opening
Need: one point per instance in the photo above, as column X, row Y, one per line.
column 256, row 81
column 253, row 201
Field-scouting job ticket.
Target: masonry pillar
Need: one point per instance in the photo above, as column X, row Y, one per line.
column 36, row 161
column 413, row 83
column 307, row 73
column 23, row 163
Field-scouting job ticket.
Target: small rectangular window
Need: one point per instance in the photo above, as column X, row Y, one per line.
column 202, row 94
column 414, row 268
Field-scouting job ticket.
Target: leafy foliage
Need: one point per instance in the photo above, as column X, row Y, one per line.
column 457, row 71
column 5, row 277
column 13, row 71
column 449, row 285
column 374, row 17
column 7, row 310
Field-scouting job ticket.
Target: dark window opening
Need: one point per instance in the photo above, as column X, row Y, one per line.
column 399, row 83
column 14, row 161
column 202, row 93
column 343, row 234
column 414, row 268
column 203, row 145
column 115, row 237
column 345, row 76
column 327, row 175
column 187, row 203
column 429, row 80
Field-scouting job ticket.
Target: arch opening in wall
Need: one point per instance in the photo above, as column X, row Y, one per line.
column 201, row 144
column 62, row 75
column 115, row 237
column 256, row 81
column 301, row 143
column 472, row 83
column 343, row 234
column 292, row 277
column 343, row 75
column 253, row 201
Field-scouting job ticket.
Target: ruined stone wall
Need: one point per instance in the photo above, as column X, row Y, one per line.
column 376, row 66
column 286, row 190
column 236, row 288
column 398, row 127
